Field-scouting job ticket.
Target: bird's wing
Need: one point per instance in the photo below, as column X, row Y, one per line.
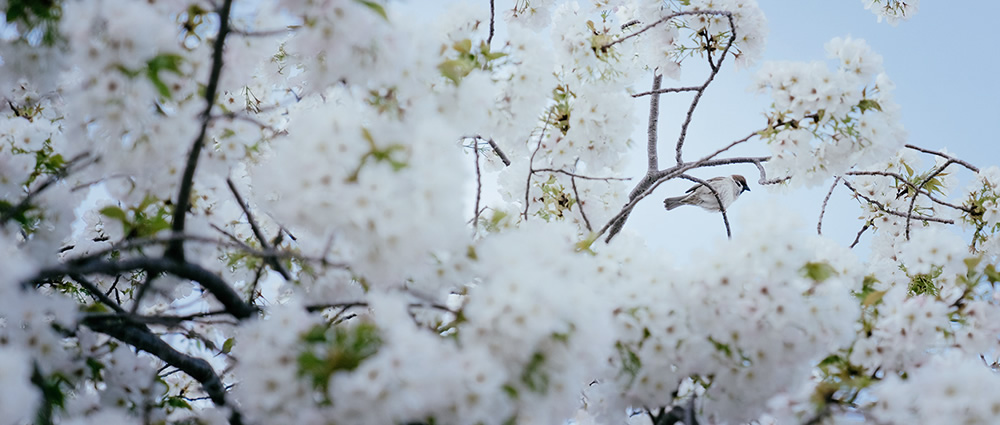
column 709, row 181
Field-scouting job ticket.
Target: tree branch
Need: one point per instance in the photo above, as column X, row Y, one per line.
column 489, row 40
column 665, row 19
column 475, row 149
column 913, row 201
column 701, row 92
column 143, row 339
column 176, row 248
column 579, row 203
column 860, row 232
column 945, row 156
column 654, row 118
column 722, row 208
column 822, row 210
column 892, row 212
column 212, row 283
column 271, row 260
column 499, row 152
column 579, row 176
column 666, row 90
column 65, row 170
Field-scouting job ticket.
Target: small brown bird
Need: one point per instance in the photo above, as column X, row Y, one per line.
column 729, row 188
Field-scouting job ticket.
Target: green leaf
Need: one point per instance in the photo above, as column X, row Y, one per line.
column 463, row 46
column 866, row 104
column 163, row 62
column 873, row 298
column 375, row 7
column 177, row 402
column 909, row 170
column 456, row 69
column 818, row 271
column 228, row 345
column 534, row 375
column 114, row 213
column 992, row 275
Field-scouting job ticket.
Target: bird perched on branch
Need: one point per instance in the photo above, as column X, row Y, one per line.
column 728, row 187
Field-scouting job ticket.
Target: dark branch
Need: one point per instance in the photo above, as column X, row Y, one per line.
column 722, row 208
column 489, row 40
column 176, row 248
column 901, row 179
column 667, row 90
column 96, row 293
column 654, row 118
column 25, row 204
column 892, row 212
column 665, row 19
column 212, row 283
column 271, row 260
column 479, row 177
column 579, row 203
column 860, row 232
column 143, row 339
column 913, row 201
column 499, row 152
column 945, row 156
column 574, row 175
column 822, row 210
column 701, row 92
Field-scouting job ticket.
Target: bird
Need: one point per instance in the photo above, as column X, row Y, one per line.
column 728, row 187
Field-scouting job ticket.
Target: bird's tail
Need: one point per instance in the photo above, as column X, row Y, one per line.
column 671, row 203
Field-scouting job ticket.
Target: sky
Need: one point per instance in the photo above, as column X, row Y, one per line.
column 941, row 61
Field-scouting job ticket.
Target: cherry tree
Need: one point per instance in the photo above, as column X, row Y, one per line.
column 353, row 211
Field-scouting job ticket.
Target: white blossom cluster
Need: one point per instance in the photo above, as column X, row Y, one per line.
column 350, row 133
column 892, row 10
column 751, row 324
column 827, row 122
column 963, row 390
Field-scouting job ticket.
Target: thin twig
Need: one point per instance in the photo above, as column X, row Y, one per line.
column 822, row 210
column 665, row 19
column 667, row 90
column 489, row 40
column 176, row 249
column 531, row 170
column 262, row 33
column 901, row 179
column 651, row 180
column 96, row 292
column 207, row 279
column 77, row 161
column 351, row 304
column 701, row 92
column 272, row 261
column 499, row 152
column 892, row 212
column 653, row 162
column 763, row 175
column 479, row 177
column 860, row 232
column 579, row 203
column 943, row 155
column 913, row 201
column 143, row 339
column 143, row 289
column 249, row 119
column 718, row 198
column 579, row 176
